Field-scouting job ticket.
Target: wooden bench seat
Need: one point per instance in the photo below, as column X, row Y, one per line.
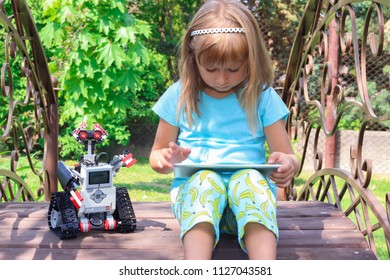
column 308, row 230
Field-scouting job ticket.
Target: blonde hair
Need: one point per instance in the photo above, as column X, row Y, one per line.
column 219, row 48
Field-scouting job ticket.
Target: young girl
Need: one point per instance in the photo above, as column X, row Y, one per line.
column 223, row 110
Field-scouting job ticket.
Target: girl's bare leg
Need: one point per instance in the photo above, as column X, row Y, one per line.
column 199, row 242
column 260, row 242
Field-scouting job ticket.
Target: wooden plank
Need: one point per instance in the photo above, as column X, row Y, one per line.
column 174, row 253
column 308, row 223
column 310, row 238
column 295, row 253
column 326, row 248
column 304, row 204
column 306, row 209
column 40, row 209
column 308, row 230
column 324, row 253
column 322, row 238
column 163, row 209
column 318, row 223
column 103, row 240
column 42, row 224
column 43, row 238
column 303, row 253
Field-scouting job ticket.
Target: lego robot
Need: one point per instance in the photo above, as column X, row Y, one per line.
column 90, row 200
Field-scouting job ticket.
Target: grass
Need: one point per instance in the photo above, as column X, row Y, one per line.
column 23, row 170
column 143, row 183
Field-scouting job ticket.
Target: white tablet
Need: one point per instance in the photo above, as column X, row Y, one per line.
column 184, row 170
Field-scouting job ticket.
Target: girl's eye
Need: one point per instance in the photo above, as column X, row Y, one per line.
column 234, row 70
column 211, row 70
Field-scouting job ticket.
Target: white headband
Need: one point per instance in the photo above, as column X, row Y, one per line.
column 216, row 30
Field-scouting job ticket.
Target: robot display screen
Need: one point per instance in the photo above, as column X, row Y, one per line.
column 99, row 177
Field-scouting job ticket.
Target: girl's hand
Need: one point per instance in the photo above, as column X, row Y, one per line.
column 283, row 176
column 171, row 155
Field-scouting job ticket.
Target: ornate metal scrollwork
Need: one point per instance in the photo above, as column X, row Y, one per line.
column 316, row 94
column 25, row 66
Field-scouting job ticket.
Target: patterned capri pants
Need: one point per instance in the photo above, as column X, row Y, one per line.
column 247, row 196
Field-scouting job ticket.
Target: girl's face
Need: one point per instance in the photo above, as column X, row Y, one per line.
column 222, row 80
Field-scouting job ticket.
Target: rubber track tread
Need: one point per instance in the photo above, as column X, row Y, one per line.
column 69, row 228
column 124, row 212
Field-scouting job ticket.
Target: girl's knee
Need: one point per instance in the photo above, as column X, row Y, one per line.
column 202, row 199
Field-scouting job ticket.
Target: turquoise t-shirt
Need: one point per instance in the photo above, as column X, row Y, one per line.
column 221, row 134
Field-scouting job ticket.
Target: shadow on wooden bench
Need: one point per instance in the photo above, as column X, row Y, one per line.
column 308, row 230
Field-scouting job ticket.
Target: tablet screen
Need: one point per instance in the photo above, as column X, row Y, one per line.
column 184, row 170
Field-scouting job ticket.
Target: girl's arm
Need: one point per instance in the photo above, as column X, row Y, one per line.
column 165, row 152
column 281, row 152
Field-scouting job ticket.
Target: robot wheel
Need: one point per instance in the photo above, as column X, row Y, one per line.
column 62, row 216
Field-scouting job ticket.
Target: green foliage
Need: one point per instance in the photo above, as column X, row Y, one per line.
column 102, row 51
column 379, row 100
column 168, row 20
column 98, row 52
column 280, row 19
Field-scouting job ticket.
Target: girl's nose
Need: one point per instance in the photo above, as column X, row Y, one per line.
column 222, row 78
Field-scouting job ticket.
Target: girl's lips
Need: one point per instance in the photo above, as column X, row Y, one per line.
column 222, row 89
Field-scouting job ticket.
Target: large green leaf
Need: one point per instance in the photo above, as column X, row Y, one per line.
column 47, row 34
column 125, row 35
